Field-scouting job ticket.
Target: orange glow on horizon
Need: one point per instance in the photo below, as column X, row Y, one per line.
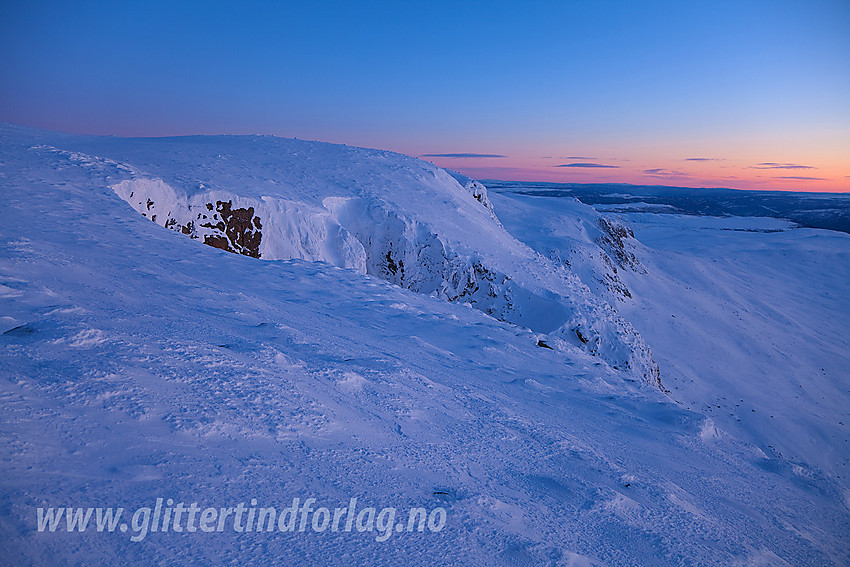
column 685, row 172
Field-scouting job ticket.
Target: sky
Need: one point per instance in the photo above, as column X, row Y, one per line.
column 743, row 94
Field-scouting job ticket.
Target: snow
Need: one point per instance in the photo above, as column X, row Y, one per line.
column 747, row 316
column 139, row 364
column 763, row 313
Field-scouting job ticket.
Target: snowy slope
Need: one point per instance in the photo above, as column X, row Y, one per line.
column 138, row 364
column 759, row 314
column 749, row 317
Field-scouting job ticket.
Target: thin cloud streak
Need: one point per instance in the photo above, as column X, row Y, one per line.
column 661, row 172
column 549, row 175
column 593, row 165
column 774, row 165
column 801, row 178
column 464, row 155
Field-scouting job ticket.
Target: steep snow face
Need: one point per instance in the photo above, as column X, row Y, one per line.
column 387, row 215
column 478, row 190
column 270, row 228
column 597, row 248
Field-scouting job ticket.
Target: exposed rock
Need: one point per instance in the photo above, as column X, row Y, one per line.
column 240, row 227
column 614, row 242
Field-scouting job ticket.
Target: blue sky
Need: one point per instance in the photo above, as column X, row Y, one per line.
column 637, row 86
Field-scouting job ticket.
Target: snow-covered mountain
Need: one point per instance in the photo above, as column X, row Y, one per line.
column 139, row 364
column 384, row 214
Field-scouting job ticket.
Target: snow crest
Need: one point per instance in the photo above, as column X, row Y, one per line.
column 439, row 236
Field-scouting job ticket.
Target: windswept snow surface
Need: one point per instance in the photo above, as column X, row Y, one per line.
column 139, row 365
